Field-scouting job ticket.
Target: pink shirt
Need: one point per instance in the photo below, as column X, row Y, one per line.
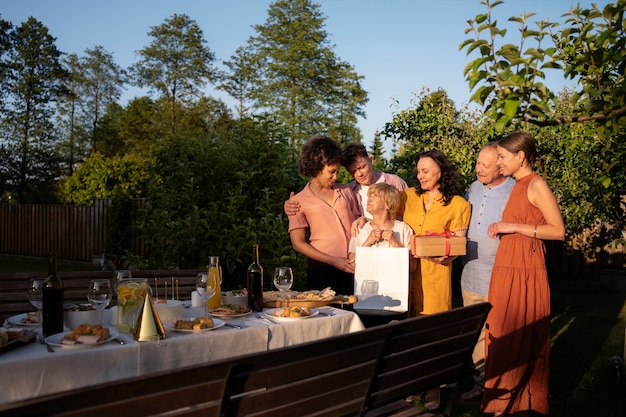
column 329, row 227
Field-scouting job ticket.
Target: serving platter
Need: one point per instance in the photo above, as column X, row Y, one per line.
column 339, row 299
column 25, row 338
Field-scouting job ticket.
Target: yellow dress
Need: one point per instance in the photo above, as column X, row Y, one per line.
column 430, row 288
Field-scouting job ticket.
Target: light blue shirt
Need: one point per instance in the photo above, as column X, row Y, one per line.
column 487, row 206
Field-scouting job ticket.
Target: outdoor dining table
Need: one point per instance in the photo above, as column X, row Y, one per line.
column 30, row 371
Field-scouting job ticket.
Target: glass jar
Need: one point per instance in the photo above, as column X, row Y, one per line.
column 131, row 294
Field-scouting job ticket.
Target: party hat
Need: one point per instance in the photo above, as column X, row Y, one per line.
column 149, row 327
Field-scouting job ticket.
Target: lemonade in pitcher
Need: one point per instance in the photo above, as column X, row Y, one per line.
column 131, row 294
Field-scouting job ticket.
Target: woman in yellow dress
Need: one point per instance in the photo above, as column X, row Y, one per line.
column 434, row 205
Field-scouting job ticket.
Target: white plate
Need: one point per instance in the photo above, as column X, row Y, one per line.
column 55, row 340
column 217, row 323
column 230, row 316
column 271, row 314
column 18, row 320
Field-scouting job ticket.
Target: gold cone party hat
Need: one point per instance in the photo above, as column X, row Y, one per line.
column 149, row 327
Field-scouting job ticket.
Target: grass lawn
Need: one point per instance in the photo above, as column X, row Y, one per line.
column 587, row 329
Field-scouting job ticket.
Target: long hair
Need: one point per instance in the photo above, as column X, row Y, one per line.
column 450, row 181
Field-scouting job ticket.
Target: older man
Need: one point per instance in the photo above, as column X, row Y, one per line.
column 360, row 166
column 488, row 196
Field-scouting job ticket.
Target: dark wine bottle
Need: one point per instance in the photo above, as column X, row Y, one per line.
column 52, row 300
column 254, row 281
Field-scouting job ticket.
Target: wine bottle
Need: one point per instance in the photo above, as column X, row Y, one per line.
column 254, row 281
column 52, row 300
column 215, row 270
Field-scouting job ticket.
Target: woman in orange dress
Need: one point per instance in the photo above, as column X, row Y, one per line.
column 517, row 336
column 434, row 205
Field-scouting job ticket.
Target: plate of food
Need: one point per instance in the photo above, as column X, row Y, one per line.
column 195, row 325
column 26, row 319
column 82, row 337
column 230, row 311
column 291, row 313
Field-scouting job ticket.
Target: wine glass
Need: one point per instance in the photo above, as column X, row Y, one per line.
column 34, row 292
column 283, row 280
column 206, row 285
column 100, row 294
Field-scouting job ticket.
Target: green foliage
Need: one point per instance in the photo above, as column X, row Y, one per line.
column 290, row 70
column 434, row 123
column 218, row 196
column 122, row 176
column 176, row 64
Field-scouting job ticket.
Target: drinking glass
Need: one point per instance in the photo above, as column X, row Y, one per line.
column 369, row 288
column 34, row 293
column 283, row 280
column 120, row 275
column 206, row 286
column 100, row 294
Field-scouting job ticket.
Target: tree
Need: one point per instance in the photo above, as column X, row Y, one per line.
column 300, row 82
column 34, row 81
column 239, row 80
column 588, row 48
column 176, row 64
column 102, row 84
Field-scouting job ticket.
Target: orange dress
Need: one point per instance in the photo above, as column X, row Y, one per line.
column 517, row 351
column 430, row 286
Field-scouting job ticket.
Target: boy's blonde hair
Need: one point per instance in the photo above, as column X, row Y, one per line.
column 390, row 195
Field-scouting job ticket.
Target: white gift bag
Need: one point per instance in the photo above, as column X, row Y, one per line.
column 381, row 279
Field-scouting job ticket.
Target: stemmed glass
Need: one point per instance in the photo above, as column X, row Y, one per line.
column 283, row 280
column 206, row 285
column 100, row 294
column 34, row 292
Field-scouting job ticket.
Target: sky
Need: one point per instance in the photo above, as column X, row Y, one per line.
column 400, row 47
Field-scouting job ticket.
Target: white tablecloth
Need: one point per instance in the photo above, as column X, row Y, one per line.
column 31, row 371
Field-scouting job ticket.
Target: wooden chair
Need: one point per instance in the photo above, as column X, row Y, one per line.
column 425, row 352
column 327, row 378
column 189, row 392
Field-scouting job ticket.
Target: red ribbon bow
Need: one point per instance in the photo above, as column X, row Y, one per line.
column 447, row 234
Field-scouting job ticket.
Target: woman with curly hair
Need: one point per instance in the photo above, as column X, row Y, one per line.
column 327, row 211
column 434, row 204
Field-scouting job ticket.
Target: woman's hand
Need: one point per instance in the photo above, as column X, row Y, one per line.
column 356, row 225
column 499, row 228
column 390, row 237
column 343, row 264
column 374, row 237
column 441, row 260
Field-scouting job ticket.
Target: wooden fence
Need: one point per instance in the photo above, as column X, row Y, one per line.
column 72, row 232
column 79, row 233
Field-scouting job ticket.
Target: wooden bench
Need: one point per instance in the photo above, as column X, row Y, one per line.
column 13, row 287
column 365, row 373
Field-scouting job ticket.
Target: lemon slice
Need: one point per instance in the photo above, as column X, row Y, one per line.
column 123, row 328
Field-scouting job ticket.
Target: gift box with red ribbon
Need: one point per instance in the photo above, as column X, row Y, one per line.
column 438, row 244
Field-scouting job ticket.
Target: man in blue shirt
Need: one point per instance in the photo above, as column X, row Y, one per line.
column 488, row 196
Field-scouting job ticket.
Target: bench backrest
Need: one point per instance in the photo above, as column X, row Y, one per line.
column 425, row 352
column 189, row 392
column 13, row 286
column 328, row 378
